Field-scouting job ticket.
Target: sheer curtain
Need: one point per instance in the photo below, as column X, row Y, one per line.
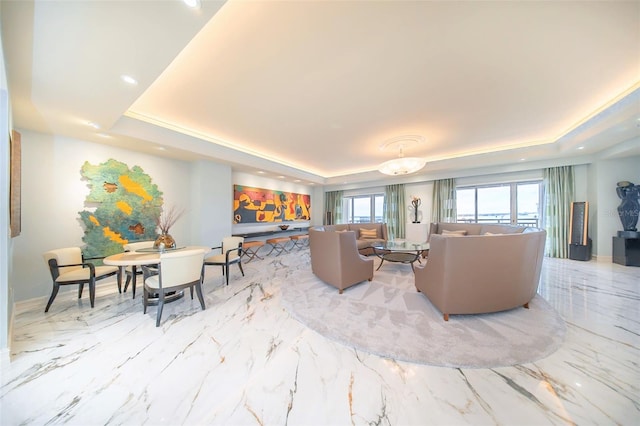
column 559, row 193
column 444, row 208
column 333, row 207
column 394, row 210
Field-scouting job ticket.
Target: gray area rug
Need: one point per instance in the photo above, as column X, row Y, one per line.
column 389, row 318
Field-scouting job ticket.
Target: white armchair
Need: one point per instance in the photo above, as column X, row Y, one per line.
column 177, row 270
column 68, row 267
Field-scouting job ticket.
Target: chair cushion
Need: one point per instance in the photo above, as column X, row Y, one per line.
column 221, row 258
column 153, row 281
column 83, row 273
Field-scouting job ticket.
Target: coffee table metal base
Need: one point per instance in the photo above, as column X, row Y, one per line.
column 398, row 257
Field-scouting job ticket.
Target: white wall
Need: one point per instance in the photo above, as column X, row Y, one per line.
column 211, row 203
column 53, row 193
column 607, row 173
column 6, row 296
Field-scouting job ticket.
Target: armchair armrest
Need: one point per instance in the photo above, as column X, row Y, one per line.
column 150, row 270
column 239, row 249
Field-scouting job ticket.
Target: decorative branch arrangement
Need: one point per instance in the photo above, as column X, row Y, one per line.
column 168, row 218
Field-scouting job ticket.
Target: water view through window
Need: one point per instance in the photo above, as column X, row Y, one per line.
column 515, row 203
column 361, row 209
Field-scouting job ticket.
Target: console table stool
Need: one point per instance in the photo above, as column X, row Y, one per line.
column 250, row 250
column 279, row 245
column 300, row 241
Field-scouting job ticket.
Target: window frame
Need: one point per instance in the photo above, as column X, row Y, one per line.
column 348, row 207
column 513, row 202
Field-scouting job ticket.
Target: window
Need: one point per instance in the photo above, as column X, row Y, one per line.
column 515, row 203
column 362, row 208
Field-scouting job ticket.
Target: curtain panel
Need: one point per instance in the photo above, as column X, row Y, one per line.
column 394, row 210
column 332, row 207
column 444, row 207
column 559, row 193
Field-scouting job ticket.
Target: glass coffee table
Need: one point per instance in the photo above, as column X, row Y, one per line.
column 400, row 251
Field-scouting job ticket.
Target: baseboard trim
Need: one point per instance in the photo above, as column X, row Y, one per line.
column 5, row 353
column 600, row 258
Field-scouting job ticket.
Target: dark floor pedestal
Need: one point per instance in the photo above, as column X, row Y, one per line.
column 626, row 251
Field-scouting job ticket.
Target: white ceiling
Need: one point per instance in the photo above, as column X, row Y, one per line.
column 311, row 89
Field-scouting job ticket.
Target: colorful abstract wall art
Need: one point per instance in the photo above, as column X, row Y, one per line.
column 124, row 205
column 257, row 205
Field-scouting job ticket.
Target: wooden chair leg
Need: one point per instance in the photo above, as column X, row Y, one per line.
column 199, row 292
column 446, row 317
column 160, row 306
column 54, row 293
column 80, row 288
column 92, row 291
column 526, row 305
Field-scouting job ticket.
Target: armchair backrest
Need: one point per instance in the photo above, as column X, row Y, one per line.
column 63, row 256
column 137, row 245
column 230, row 243
column 180, row 267
column 335, row 258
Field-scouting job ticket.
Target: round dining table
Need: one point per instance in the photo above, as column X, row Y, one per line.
column 145, row 256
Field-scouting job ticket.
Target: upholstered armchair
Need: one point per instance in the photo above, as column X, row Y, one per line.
column 335, row 258
column 132, row 271
column 230, row 253
column 67, row 266
column 481, row 273
column 177, row 270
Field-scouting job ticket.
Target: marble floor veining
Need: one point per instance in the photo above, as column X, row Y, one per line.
column 246, row 361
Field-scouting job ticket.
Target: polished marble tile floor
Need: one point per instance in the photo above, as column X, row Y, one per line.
column 245, row 361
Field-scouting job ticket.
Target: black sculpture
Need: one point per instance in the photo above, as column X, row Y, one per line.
column 629, row 208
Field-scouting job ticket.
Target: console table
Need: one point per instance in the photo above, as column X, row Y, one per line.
column 272, row 234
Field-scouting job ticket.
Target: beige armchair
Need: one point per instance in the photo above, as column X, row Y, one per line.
column 132, row 271
column 230, row 253
column 68, row 267
column 481, row 273
column 177, row 270
column 335, row 258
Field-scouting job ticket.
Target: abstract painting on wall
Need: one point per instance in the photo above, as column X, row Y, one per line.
column 257, row 205
column 124, row 206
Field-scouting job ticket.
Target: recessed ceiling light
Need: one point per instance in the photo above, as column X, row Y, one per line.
column 161, row 148
column 193, row 4
column 129, row 80
column 280, row 177
column 92, row 124
column 297, row 180
column 103, row 135
column 260, row 172
column 581, row 147
column 522, row 159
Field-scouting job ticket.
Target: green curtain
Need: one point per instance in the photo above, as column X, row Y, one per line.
column 444, row 208
column 394, row 210
column 333, row 205
column 559, row 193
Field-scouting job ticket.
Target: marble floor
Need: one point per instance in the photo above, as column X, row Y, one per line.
column 246, row 361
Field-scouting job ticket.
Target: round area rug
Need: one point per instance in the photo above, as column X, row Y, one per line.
column 389, row 318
